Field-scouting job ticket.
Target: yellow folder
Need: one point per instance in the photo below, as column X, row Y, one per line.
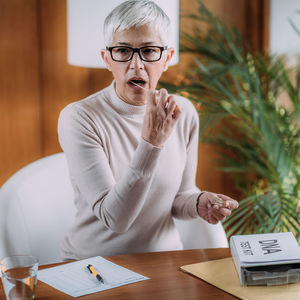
column 222, row 274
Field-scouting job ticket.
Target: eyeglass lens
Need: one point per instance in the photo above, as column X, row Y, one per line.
column 146, row 53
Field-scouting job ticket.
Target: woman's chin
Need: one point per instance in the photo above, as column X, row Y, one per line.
column 135, row 98
column 138, row 100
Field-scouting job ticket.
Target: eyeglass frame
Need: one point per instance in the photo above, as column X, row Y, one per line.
column 134, row 50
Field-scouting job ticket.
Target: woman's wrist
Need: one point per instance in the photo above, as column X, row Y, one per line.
column 198, row 199
column 201, row 193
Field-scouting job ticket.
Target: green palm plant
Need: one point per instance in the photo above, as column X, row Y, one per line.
column 258, row 135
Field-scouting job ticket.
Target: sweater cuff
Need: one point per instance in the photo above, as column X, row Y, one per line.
column 145, row 158
column 192, row 206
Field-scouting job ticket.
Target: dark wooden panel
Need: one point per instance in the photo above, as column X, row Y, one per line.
column 61, row 83
column 19, row 86
column 265, row 35
column 100, row 78
column 256, row 16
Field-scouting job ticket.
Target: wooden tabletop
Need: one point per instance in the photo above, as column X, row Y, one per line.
column 166, row 282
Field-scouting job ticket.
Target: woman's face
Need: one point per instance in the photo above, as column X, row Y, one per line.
column 147, row 73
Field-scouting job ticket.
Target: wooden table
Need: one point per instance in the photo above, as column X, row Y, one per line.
column 166, row 282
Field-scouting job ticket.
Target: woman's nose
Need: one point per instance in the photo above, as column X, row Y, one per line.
column 136, row 62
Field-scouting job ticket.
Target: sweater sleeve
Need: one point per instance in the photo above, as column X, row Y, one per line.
column 116, row 204
column 185, row 202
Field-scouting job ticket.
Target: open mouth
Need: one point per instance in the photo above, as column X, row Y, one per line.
column 137, row 82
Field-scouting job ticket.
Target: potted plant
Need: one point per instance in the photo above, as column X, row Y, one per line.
column 241, row 112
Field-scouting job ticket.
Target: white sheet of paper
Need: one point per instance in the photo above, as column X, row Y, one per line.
column 75, row 279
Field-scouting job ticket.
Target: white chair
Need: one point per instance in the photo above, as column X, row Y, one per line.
column 198, row 234
column 36, row 209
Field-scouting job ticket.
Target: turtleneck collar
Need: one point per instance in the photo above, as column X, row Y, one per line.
column 120, row 105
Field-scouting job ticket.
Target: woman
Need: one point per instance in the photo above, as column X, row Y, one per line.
column 131, row 150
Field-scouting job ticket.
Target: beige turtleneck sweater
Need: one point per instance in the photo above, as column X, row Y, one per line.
column 127, row 191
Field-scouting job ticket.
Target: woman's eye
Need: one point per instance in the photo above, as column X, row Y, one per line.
column 122, row 50
column 148, row 51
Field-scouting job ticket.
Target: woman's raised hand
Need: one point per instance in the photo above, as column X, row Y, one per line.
column 162, row 113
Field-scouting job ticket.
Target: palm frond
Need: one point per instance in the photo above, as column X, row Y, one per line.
column 256, row 134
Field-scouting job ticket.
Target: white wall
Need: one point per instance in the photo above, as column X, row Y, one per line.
column 283, row 38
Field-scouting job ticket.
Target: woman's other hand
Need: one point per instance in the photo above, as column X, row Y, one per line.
column 162, row 113
column 215, row 207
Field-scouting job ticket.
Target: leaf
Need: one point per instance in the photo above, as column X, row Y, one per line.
column 294, row 26
column 256, row 134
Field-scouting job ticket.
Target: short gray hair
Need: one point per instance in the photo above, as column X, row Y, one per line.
column 136, row 13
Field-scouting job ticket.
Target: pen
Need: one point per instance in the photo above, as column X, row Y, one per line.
column 95, row 273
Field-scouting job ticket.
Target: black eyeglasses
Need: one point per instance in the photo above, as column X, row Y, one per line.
column 147, row 53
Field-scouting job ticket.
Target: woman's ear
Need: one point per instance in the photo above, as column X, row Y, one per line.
column 170, row 53
column 104, row 54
